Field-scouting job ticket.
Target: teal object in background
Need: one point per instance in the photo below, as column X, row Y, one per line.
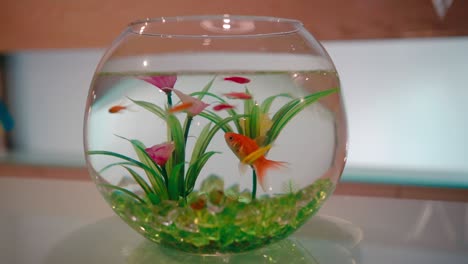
column 428, row 178
column 6, row 120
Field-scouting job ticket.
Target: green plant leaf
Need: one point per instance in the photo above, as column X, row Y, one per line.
column 155, row 180
column 154, row 173
column 206, row 89
column 213, row 117
column 177, row 134
column 197, row 148
column 146, row 188
column 291, row 109
column 117, row 155
column 127, row 192
column 254, row 121
column 154, row 199
column 186, row 128
column 116, row 164
column 152, row 108
column 140, row 150
column 175, row 178
column 248, row 104
column 202, row 94
column 231, row 112
column 195, row 169
column 265, row 107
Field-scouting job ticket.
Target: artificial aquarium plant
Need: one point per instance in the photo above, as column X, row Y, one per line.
column 249, row 132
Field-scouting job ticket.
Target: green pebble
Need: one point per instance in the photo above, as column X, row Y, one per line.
column 240, row 225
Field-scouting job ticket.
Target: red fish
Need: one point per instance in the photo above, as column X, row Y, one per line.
column 223, row 106
column 248, row 152
column 117, row 108
column 237, row 79
column 238, row 95
column 180, row 107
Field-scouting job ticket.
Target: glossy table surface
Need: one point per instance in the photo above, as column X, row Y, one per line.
column 59, row 221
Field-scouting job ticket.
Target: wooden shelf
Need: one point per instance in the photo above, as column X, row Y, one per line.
column 55, row 166
column 403, row 191
column 28, row 24
column 44, row 172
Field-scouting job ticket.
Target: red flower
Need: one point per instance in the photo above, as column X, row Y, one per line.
column 163, row 82
column 161, row 153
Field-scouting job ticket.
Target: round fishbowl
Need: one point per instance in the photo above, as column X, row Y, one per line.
column 215, row 134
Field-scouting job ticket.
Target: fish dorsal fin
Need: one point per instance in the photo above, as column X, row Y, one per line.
column 259, row 140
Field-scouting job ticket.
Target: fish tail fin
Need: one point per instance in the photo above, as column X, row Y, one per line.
column 262, row 165
column 131, row 108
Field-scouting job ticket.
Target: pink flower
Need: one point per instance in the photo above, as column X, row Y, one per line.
column 196, row 107
column 163, row 82
column 161, row 153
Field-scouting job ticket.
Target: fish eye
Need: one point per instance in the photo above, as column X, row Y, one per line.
column 230, row 137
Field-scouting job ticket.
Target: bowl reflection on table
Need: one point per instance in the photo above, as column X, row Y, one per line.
column 110, row 241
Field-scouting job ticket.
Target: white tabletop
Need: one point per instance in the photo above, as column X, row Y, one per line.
column 58, row 221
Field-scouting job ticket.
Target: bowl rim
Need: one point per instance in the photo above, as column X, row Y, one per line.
column 292, row 26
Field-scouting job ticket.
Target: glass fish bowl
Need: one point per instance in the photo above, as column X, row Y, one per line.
column 215, row 134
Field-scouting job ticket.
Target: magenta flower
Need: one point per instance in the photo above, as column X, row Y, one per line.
column 163, row 82
column 196, row 107
column 161, row 153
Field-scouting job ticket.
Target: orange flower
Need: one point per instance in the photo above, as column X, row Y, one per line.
column 196, row 107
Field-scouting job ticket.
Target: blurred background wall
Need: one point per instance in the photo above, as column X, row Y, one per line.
column 403, row 67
